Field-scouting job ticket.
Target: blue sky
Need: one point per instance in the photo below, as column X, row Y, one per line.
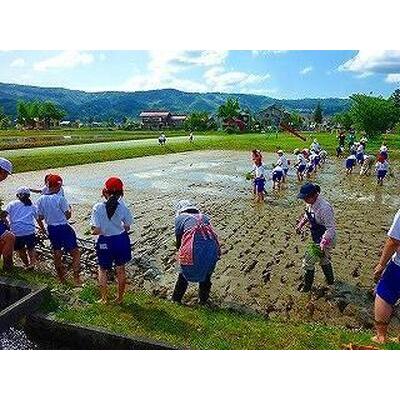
column 281, row 74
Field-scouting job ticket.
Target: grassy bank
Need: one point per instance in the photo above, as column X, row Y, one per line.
column 59, row 156
column 196, row 328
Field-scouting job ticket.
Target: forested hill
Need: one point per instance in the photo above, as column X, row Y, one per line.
column 103, row 105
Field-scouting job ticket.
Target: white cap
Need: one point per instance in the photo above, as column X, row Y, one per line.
column 280, row 151
column 23, row 190
column 6, row 165
column 184, row 205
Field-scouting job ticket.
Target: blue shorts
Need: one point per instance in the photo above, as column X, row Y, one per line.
column 25, row 242
column 277, row 176
column 381, row 174
column 389, row 285
column 301, row 168
column 285, row 171
column 310, row 169
column 113, row 250
column 62, row 237
column 360, row 157
column 350, row 163
column 259, row 184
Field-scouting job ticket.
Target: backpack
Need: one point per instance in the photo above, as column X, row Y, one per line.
column 185, row 254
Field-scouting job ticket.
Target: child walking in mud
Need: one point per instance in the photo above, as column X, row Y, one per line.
column 198, row 250
column 22, row 215
column 54, row 209
column 111, row 221
column 350, row 164
column 259, row 175
column 284, row 163
column 300, row 165
column 381, row 168
column 277, row 176
column 367, row 165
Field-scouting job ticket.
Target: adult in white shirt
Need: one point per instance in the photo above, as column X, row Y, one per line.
column 387, row 274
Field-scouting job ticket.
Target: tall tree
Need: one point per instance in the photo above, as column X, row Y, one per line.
column 344, row 119
column 197, row 121
column 395, row 97
column 374, row 115
column 230, row 109
column 318, row 114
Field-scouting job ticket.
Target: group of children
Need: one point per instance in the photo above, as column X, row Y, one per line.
column 110, row 222
column 359, row 157
column 307, row 163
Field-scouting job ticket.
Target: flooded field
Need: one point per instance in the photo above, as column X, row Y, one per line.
column 260, row 268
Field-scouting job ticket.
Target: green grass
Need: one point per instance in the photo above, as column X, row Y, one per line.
column 188, row 327
column 59, row 156
column 15, row 139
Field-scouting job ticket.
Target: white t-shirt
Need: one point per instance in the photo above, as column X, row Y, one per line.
column 394, row 232
column 284, row 162
column 383, row 148
column 22, row 218
column 301, row 160
column 53, row 208
column 259, row 171
column 278, row 168
column 351, row 157
column 382, row 166
column 115, row 225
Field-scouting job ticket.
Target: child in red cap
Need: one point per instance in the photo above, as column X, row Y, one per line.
column 56, row 212
column 111, row 221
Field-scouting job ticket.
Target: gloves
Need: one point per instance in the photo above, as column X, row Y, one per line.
column 324, row 244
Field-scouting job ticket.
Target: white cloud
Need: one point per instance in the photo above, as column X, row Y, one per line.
column 166, row 69
column 367, row 62
column 18, row 63
column 217, row 79
column 364, row 75
column 64, row 60
column 306, row 70
column 393, row 78
column 257, row 53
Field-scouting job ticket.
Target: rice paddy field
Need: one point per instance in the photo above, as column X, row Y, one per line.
column 255, row 287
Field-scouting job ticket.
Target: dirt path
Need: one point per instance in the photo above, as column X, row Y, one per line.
column 260, row 268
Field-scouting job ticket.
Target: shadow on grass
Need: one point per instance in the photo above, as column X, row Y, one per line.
column 155, row 319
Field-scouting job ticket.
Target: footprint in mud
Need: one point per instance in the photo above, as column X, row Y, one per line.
column 266, row 275
column 249, row 267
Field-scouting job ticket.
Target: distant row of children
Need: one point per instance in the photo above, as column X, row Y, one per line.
column 307, row 163
column 366, row 161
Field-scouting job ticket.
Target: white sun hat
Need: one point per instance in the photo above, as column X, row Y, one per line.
column 23, row 191
column 6, row 165
column 184, row 205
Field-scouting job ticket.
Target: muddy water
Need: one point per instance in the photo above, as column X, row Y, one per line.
column 260, row 268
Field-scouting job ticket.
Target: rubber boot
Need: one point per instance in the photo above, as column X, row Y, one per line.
column 328, row 272
column 204, row 291
column 308, row 280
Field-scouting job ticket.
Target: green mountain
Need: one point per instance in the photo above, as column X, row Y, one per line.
column 103, row 105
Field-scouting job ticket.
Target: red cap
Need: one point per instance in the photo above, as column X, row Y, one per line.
column 54, row 181
column 114, row 184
